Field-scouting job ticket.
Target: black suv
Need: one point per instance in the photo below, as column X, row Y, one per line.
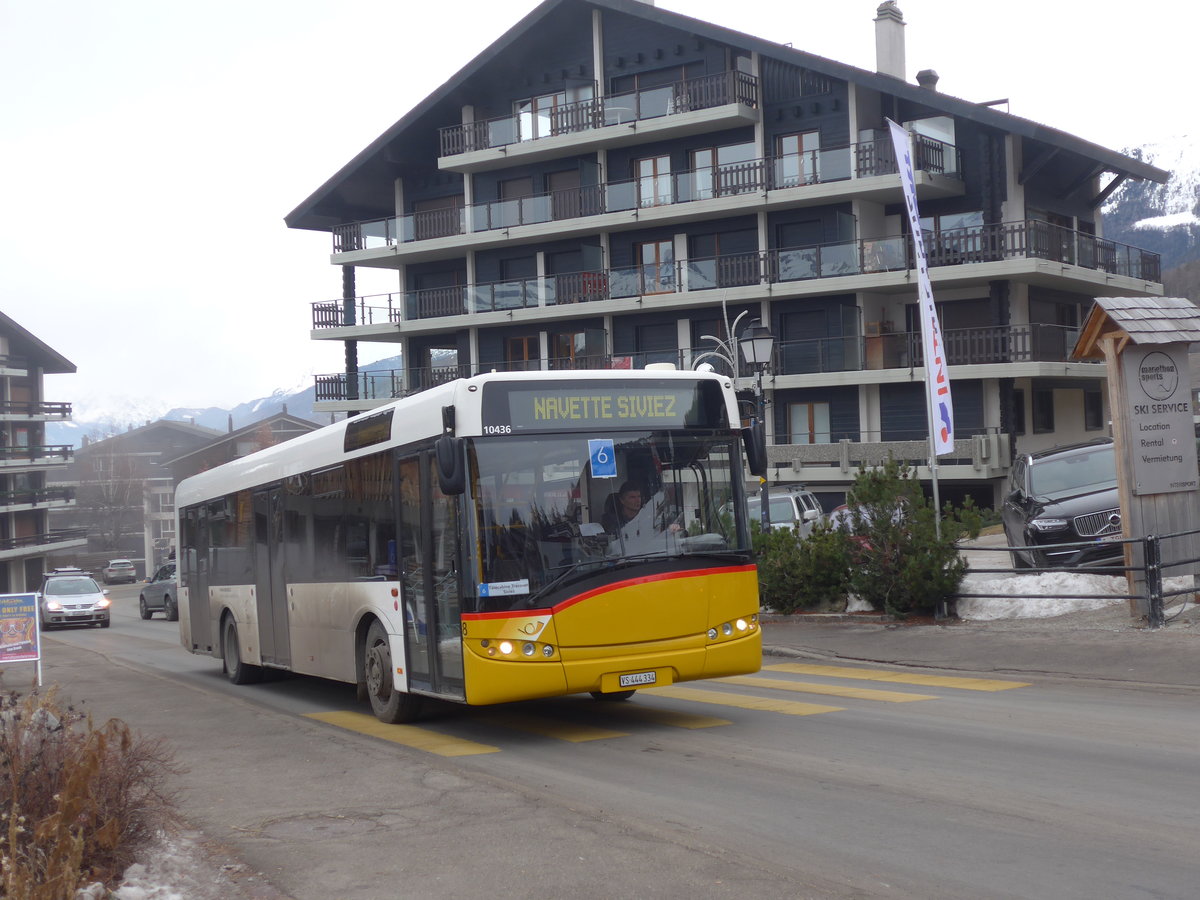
column 1061, row 496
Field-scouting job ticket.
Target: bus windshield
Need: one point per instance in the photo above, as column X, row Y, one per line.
column 544, row 519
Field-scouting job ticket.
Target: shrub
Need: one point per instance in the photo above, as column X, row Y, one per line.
column 809, row 573
column 77, row 803
column 902, row 564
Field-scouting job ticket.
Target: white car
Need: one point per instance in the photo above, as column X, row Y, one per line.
column 73, row 599
column 789, row 508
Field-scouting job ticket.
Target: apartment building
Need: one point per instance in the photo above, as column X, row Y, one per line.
column 29, row 468
column 611, row 185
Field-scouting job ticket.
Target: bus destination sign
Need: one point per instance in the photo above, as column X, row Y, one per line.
column 510, row 407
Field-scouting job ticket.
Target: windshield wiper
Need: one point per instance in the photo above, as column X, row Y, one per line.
column 561, row 578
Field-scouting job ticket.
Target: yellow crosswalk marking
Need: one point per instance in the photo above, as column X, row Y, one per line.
column 964, row 684
column 407, row 735
column 670, row 717
column 830, row 690
column 554, row 728
column 742, row 701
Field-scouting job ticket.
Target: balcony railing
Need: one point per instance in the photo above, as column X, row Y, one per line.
column 964, row 346
column 705, row 92
column 853, row 353
column 38, row 408
column 32, row 496
column 7, row 361
column 861, row 160
column 22, row 454
column 37, row 540
column 1032, row 239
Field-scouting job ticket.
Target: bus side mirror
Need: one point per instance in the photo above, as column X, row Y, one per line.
column 754, row 436
column 451, row 472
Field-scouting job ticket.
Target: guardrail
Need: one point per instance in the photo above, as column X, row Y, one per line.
column 1147, row 554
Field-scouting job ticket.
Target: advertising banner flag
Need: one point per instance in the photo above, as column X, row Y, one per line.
column 937, row 381
column 19, row 636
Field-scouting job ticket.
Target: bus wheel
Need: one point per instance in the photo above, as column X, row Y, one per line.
column 612, row 697
column 236, row 671
column 388, row 704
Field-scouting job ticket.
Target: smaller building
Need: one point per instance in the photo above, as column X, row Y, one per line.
column 29, row 468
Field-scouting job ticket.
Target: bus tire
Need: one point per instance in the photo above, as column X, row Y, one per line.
column 236, row 671
column 612, row 696
column 388, row 704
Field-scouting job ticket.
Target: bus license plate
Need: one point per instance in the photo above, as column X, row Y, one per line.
column 638, row 678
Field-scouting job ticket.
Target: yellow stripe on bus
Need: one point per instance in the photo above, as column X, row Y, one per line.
column 830, row 690
column 563, row 731
column 964, row 684
column 407, row 735
column 742, row 701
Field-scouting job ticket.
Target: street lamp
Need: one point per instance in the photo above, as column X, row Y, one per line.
column 757, row 345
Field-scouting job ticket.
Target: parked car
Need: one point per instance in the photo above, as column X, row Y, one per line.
column 1060, row 496
column 119, row 571
column 72, row 597
column 159, row 594
column 790, row 507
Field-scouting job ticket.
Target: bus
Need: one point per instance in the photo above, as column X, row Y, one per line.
column 453, row 544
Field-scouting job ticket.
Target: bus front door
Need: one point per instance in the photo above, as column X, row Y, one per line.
column 429, row 580
column 270, row 585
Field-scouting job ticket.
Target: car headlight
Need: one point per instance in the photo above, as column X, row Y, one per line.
column 53, row 605
column 1049, row 524
column 103, row 603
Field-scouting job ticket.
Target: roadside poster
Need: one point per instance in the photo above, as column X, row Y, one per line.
column 19, row 628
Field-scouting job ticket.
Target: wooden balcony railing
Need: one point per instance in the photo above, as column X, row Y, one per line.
column 35, row 408
column 840, row 163
column 63, row 452
column 33, row 496
column 705, row 92
column 963, row 246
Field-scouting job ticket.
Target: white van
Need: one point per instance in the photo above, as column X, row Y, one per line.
column 791, row 506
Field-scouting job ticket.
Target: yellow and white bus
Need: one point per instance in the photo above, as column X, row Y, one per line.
column 454, row 544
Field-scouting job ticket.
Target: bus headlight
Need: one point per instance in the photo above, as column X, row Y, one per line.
column 527, row 648
column 506, row 647
column 726, row 629
column 547, row 651
column 712, row 634
column 741, row 625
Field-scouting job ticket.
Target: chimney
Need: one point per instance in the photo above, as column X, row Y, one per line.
column 889, row 40
column 928, row 79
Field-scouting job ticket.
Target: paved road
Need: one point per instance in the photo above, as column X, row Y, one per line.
column 817, row 778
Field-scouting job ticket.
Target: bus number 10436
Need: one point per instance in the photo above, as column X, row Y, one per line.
column 497, row 429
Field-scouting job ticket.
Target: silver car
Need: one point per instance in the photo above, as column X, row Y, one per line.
column 68, row 599
column 159, row 594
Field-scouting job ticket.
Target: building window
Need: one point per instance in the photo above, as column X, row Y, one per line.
column 1018, row 407
column 1043, row 412
column 654, row 180
column 808, row 423
column 797, row 159
column 720, row 171
column 1093, row 410
column 656, row 260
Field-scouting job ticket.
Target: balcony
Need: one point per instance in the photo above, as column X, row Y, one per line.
column 34, row 410
column 964, row 247
column 62, row 539
column 13, row 365
column 860, row 161
column 695, row 104
column 41, row 457
column 33, row 497
column 988, row 345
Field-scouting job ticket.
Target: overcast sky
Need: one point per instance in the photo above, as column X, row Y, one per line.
column 151, row 148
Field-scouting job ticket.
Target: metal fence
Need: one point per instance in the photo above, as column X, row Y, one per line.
column 1150, row 560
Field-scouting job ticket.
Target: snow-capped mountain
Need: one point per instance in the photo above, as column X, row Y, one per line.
column 1160, row 217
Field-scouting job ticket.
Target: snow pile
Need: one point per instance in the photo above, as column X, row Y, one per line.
column 177, row 869
column 1036, row 596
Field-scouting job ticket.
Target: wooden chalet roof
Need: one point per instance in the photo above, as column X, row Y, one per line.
column 1138, row 320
